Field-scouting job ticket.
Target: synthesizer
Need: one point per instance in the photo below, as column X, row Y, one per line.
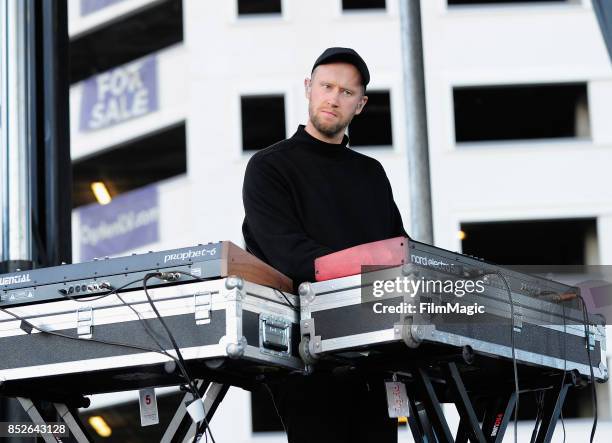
column 342, row 315
column 97, row 277
column 400, row 251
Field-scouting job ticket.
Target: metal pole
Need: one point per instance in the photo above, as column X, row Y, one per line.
column 55, row 179
column 4, row 65
column 421, row 224
column 16, row 142
column 35, row 169
column 14, row 147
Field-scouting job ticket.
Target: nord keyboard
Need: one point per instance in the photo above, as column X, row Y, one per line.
column 539, row 320
column 405, row 251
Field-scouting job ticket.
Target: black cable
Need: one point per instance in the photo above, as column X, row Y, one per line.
column 95, row 340
column 535, row 426
column 198, row 432
column 275, row 408
column 151, row 334
column 179, row 361
column 564, row 369
column 514, row 363
column 295, row 308
column 148, row 329
column 111, row 343
column 115, row 291
column 174, row 343
column 198, row 278
column 195, row 277
column 540, row 404
column 514, row 366
column 585, row 316
column 146, row 326
column 182, row 368
column 71, row 337
column 562, row 424
column 164, row 325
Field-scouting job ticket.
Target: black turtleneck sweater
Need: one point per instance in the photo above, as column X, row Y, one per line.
column 304, row 198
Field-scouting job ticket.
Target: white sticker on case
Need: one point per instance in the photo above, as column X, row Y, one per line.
column 397, row 400
column 148, row 407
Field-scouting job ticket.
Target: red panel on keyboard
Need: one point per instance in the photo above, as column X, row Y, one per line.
column 390, row 252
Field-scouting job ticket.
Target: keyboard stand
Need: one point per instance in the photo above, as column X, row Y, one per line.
column 428, row 424
column 181, row 428
column 68, row 415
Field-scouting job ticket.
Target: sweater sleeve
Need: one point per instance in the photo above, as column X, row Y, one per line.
column 271, row 227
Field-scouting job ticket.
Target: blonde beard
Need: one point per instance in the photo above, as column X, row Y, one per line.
column 328, row 130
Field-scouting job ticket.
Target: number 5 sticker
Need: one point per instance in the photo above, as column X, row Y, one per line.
column 148, row 407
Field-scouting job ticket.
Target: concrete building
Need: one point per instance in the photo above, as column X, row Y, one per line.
column 174, row 97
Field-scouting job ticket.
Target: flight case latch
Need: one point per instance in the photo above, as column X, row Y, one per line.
column 274, row 335
column 202, row 306
column 85, row 322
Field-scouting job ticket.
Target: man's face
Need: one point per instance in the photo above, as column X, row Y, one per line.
column 335, row 95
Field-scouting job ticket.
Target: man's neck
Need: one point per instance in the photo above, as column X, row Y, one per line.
column 314, row 132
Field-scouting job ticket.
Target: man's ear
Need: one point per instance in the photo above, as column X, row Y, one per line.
column 361, row 104
column 307, row 87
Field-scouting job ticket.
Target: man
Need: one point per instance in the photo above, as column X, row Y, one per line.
column 308, row 196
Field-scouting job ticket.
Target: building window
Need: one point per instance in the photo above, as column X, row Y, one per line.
column 129, row 38
column 254, row 7
column 533, row 242
column 497, row 2
column 263, row 121
column 519, row 112
column 133, row 165
column 373, row 126
column 351, row 5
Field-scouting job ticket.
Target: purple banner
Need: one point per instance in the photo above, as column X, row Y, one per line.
column 118, row 95
column 89, row 6
column 130, row 221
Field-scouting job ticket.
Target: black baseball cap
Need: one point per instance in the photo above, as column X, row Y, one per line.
column 347, row 55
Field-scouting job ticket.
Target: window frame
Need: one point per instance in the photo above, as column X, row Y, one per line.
column 519, row 142
column 268, row 17
column 394, row 124
column 363, row 10
column 258, row 94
